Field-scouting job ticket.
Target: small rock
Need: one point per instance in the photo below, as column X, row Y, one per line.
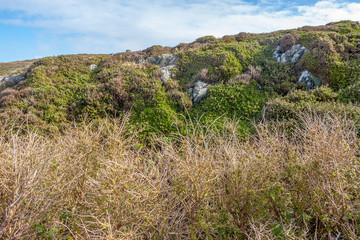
column 190, row 91
column 92, row 67
column 199, row 91
column 166, row 73
column 311, row 81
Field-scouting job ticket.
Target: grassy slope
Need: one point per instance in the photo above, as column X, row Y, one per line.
column 62, row 89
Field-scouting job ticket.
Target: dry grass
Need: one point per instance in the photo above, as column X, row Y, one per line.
column 99, row 182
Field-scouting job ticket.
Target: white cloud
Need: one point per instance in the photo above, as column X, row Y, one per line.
column 116, row 25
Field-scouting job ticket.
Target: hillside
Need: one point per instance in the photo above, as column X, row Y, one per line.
column 248, row 136
column 273, row 69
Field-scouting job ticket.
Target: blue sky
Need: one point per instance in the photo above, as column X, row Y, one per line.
column 38, row 28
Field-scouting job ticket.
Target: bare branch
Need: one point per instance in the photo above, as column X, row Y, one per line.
column 10, row 213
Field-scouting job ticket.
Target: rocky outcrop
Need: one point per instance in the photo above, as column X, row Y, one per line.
column 292, row 55
column 10, row 80
column 311, row 81
column 166, row 62
column 199, row 91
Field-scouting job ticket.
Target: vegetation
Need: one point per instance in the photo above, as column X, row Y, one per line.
column 112, row 152
column 15, row 68
column 225, row 102
column 96, row 181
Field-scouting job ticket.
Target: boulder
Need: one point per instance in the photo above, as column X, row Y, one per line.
column 292, row 55
column 163, row 60
column 166, row 62
column 311, row 81
column 198, row 92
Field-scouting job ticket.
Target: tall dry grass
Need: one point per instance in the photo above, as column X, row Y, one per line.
column 99, row 182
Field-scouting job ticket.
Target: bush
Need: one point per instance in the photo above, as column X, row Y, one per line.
column 230, row 101
column 223, row 61
column 97, row 181
column 351, row 93
column 321, row 101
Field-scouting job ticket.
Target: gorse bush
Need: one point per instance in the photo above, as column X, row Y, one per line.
column 97, row 182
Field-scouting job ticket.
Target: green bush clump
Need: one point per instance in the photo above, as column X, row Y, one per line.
column 224, row 101
column 344, row 73
column 137, row 88
column 275, row 77
column 222, row 60
column 52, row 86
column 320, row 101
column 62, row 89
column 350, row 93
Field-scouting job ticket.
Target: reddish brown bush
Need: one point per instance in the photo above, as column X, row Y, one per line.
column 287, row 42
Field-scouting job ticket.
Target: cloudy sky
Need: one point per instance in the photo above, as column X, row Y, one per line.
column 37, row 28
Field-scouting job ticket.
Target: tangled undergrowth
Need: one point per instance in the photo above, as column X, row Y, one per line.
column 99, row 182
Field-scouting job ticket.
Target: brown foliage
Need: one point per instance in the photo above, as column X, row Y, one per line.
column 287, row 42
column 98, row 182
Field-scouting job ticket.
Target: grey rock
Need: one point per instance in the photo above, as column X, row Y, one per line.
column 292, row 55
column 198, row 92
column 166, row 62
column 166, row 73
column 190, row 91
column 311, row 81
column 11, row 80
column 92, row 67
column 163, row 60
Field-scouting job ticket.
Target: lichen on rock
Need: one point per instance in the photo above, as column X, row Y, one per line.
column 198, row 92
column 10, row 81
column 166, row 62
column 311, row 81
column 92, row 67
column 292, row 55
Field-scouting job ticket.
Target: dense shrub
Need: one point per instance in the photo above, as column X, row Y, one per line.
column 351, row 93
column 321, row 101
column 97, row 181
column 223, row 101
column 223, row 61
column 287, row 42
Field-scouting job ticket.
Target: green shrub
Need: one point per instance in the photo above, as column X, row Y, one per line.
column 320, row 101
column 230, row 101
column 343, row 74
column 223, row 61
column 350, row 93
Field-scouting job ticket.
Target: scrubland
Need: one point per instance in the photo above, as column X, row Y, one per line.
column 98, row 181
column 98, row 147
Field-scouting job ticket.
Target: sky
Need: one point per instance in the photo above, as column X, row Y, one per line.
column 39, row 28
